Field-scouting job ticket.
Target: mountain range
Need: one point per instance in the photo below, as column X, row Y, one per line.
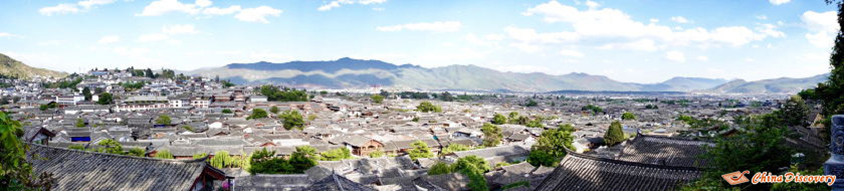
column 356, row 73
column 15, row 69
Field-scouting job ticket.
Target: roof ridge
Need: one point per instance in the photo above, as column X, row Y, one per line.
column 620, row 162
column 122, row 156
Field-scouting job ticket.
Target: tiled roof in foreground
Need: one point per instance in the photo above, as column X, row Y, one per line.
column 81, row 170
column 582, row 172
column 665, row 151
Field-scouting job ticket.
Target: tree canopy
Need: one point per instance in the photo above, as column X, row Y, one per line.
column 614, row 134
column 428, row 107
column 258, row 113
column 419, row 149
column 499, row 119
column 551, row 146
column 292, row 120
column 273, row 93
column 492, row 135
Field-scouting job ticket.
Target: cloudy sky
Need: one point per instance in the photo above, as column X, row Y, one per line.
column 630, row 40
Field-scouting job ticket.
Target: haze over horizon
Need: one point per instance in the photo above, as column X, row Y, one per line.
column 629, row 41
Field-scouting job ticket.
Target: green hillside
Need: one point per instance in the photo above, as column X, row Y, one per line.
column 15, row 69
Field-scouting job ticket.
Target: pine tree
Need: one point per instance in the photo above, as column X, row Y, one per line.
column 614, row 134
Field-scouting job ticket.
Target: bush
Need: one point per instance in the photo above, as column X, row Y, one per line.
column 419, row 150
column 378, row 99
column 164, row 154
column 439, row 168
column 499, row 119
column 258, row 113
column 428, row 107
column 163, row 120
column 628, row 116
column 492, row 135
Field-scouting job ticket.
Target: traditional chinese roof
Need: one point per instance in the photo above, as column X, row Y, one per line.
column 82, row 170
column 335, row 182
column 583, row 172
column 664, row 151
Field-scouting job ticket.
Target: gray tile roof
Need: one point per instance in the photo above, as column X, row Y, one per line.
column 583, row 172
column 664, row 151
column 80, row 170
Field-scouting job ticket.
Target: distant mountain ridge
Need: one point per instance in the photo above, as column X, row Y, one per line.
column 355, row 73
column 12, row 68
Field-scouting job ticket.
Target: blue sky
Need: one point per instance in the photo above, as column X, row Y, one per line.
column 631, row 40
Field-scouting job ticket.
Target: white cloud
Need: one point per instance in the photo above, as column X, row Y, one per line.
column 109, row 39
column 779, row 2
column 338, row 3
column 258, row 14
column 3, row 34
column 203, row 3
column 160, row 7
column 647, row 45
column 179, row 29
column 770, row 30
column 652, row 20
column 592, row 4
column 152, row 37
column 440, row 26
column 822, row 27
column 527, row 35
column 606, row 22
column 59, row 9
column 571, row 53
column 749, row 60
column 90, row 3
column 367, row 2
column 679, row 19
column 334, row 4
column 221, row 11
column 66, row 8
column 702, row 58
column 762, row 17
column 675, row 56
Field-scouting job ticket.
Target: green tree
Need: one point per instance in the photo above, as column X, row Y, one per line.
column 292, row 120
column 795, row 112
column 761, row 148
column 80, row 122
column 105, row 99
column 451, row 148
column 227, row 111
column 439, row 168
column 551, row 146
column 164, row 154
column 163, row 120
column 428, row 107
column 303, row 158
column 376, row 154
column 87, row 93
column 138, row 152
column 628, row 116
column 419, row 149
column 77, row 147
column 15, row 172
column 221, row 159
column 336, row 154
column 473, row 167
column 492, row 135
column 592, row 108
column 377, row 98
column 274, row 109
column 110, row 146
column 531, row 103
column 513, row 117
column 499, row 119
column 614, row 134
column 201, row 155
column 275, row 94
column 149, row 74
column 258, row 113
